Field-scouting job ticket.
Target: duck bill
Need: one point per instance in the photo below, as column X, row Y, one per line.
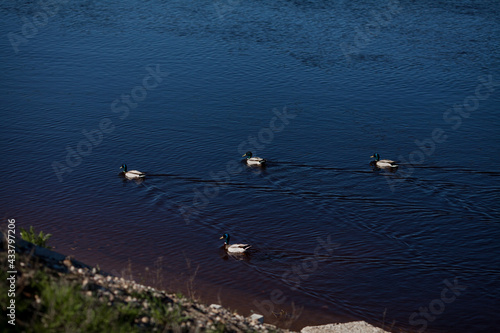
column 222, row 237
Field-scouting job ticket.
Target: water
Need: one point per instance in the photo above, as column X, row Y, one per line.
column 334, row 240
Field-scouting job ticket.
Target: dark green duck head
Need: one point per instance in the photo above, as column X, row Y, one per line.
column 248, row 155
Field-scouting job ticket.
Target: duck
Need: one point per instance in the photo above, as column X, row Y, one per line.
column 383, row 163
column 254, row 160
column 234, row 248
column 132, row 174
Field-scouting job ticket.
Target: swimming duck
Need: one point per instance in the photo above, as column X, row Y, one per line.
column 254, row 160
column 383, row 163
column 132, row 174
column 234, row 248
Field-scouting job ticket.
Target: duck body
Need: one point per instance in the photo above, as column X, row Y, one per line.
column 383, row 163
column 258, row 161
column 234, row 248
column 132, row 174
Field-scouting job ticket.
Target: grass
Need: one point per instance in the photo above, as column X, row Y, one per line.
column 62, row 307
column 47, row 302
column 165, row 314
column 40, row 239
column 219, row 328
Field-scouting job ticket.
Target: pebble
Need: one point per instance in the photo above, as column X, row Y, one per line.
column 257, row 318
column 215, row 306
column 67, row 262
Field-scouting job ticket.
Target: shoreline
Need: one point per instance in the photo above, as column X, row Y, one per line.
column 116, row 292
column 184, row 275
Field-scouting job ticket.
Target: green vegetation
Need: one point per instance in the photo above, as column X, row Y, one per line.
column 47, row 302
column 219, row 328
column 165, row 314
column 40, row 239
column 62, row 307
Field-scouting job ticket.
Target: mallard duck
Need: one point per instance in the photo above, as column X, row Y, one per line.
column 383, row 163
column 234, row 248
column 132, row 174
column 254, row 160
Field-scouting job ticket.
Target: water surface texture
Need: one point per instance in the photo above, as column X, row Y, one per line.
column 181, row 89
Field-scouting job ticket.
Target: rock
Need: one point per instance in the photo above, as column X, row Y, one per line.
column 58, row 267
column 352, row 327
column 215, row 306
column 67, row 262
column 258, row 318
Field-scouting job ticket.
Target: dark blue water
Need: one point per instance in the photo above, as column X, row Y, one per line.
column 181, row 89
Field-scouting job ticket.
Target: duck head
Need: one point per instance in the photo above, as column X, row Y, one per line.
column 124, row 167
column 248, row 155
column 226, row 238
column 376, row 156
